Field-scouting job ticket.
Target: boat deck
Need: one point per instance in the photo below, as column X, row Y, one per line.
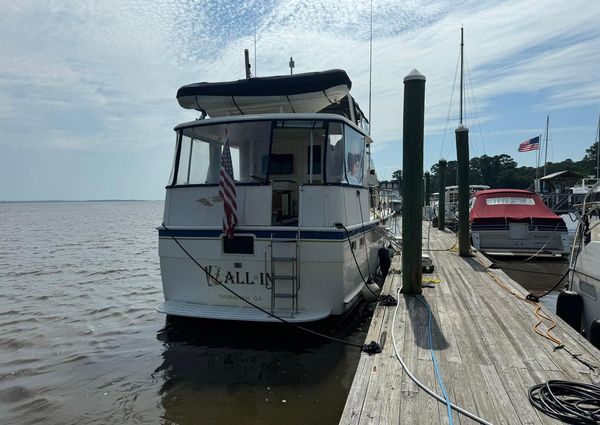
column 483, row 335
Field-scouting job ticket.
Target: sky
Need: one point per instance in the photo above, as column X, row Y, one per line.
column 87, row 88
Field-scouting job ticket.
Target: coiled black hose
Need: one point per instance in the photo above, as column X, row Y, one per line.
column 570, row 402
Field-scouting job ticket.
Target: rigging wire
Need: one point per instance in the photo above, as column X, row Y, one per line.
column 449, row 109
column 474, row 99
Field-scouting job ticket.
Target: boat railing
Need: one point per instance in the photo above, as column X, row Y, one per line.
column 583, row 228
column 558, row 202
column 300, row 205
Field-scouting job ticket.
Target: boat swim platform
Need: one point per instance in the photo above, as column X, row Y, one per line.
column 483, row 338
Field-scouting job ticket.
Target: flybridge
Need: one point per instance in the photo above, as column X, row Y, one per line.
column 326, row 91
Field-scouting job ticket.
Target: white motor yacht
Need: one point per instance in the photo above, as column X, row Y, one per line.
column 272, row 206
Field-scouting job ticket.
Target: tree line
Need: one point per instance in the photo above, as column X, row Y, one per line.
column 501, row 171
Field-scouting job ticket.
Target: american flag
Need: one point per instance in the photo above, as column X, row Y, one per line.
column 227, row 192
column 530, row 145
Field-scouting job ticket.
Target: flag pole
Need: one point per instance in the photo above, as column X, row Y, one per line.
column 537, row 164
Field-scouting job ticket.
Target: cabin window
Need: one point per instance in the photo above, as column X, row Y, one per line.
column 355, row 156
column 295, row 143
column 202, row 147
column 279, row 164
column 335, row 154
column 506, row 200
column 172, row 176
column 314, row 152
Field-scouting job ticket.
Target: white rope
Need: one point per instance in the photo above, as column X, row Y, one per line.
column 419, row 383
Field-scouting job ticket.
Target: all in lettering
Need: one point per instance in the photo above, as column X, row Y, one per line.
column 215, row 274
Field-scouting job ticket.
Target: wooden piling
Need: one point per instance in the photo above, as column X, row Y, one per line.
column 441, row 213
column 462, row 154
column 412, row 176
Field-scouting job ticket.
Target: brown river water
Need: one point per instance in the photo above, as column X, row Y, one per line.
column 81, row 342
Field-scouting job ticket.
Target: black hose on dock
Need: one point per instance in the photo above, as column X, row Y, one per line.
column 570, row 402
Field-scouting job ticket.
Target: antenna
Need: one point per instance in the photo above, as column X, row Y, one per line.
column 370, row 65
column 254, row 20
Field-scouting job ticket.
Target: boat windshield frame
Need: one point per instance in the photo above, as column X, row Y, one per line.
column 256, row 168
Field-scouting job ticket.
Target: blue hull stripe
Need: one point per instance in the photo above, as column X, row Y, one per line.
column 266, row 234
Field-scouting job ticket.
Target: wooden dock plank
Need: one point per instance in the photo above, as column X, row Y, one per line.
column 483, row 337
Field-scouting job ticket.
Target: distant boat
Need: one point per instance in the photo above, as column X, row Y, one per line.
column 516, row 223
column 305, row 187
column 396, row 202
column 451, row 202
column 580, row 306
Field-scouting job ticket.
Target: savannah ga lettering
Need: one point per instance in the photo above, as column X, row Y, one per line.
column 215, row 274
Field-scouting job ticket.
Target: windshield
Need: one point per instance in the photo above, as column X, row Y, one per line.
column 201, row 147
column 300, row 151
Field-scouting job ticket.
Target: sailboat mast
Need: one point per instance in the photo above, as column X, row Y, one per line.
column 598, row 148
column 546, row 148
column 461, row 75
column 370, row 63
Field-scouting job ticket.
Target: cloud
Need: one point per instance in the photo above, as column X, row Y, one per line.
column 102, row 76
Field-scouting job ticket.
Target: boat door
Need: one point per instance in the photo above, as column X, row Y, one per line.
column 295, row 159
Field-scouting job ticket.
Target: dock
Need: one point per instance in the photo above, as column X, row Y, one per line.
column 488, row 352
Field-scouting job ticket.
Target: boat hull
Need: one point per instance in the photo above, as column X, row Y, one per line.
column 585, row 280
column 520, row 240
column 329, row 280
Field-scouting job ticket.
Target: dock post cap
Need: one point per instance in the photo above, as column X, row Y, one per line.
column 414, row 75
column 461, row 128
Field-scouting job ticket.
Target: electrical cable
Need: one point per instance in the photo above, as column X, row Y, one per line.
column 295, row 325
column 363, row 229
column 545, row 245
column 539, row 313
column 496, row 266
column 569, row 402
column 438, row 375
column 419, row 383
column 536, row 298
column 355, row 260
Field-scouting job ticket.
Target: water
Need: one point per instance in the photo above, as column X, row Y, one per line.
column 81, row 343
column 538, row 276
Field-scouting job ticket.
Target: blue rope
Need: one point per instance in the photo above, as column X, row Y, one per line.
column 438, row 375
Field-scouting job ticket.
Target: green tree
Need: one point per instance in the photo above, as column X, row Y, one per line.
column 587, row 166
